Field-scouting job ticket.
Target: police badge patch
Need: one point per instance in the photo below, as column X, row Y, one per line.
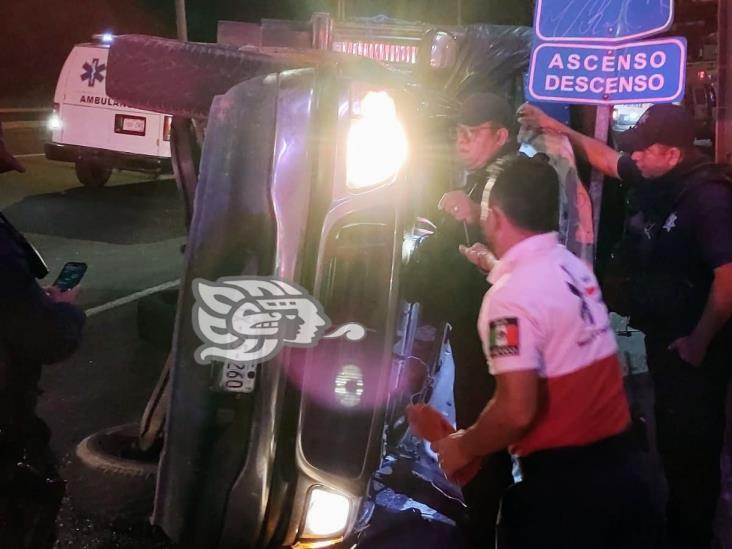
column 504, row 337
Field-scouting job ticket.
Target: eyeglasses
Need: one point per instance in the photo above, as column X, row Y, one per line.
column 467, row 133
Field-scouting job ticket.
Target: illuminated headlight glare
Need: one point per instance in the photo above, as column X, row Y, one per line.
column 107, row 37
column 54, row 122
column 377, row 143
column 327, row 514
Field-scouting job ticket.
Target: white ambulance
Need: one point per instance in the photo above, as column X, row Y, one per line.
column 97, row 133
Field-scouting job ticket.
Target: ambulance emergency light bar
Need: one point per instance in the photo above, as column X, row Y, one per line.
column 104, row 38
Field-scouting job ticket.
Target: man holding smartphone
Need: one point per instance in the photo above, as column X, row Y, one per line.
column 37, row 326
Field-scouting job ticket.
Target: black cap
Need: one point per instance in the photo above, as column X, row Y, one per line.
column 663, row 124
column 480, row 108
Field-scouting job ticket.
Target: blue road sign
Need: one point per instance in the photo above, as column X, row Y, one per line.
column 652, row 71
column 601, row 20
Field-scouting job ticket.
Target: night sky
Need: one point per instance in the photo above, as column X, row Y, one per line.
column 36, row 35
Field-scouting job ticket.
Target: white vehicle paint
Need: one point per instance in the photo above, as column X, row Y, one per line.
column 98, row 133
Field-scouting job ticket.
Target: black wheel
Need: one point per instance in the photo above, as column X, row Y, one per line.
column 182, row 78
column 110, row 479
column 156, row 318
column 92, row 174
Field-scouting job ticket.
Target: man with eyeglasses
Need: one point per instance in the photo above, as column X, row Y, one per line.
column 485, row 132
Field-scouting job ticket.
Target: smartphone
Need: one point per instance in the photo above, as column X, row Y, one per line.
column 70, row 275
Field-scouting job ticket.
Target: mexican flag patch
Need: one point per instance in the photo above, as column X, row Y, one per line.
column 504, row 337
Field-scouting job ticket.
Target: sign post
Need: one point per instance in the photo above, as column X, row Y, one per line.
column 180, row 20
column 602, row 128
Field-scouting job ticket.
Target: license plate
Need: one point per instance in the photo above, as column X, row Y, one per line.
column 133, row 125
column 237, row 379
column 130, row 125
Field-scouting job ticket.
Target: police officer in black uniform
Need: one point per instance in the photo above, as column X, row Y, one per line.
column 37, row 327
column 676, row 259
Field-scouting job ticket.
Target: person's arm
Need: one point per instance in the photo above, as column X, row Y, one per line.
column 35, row 326
column 598, row 154
column 507, row 417
column 711, row 221
column 512, row 342
column 504, row 421
column 717, row 312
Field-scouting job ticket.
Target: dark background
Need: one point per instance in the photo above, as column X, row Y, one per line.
column 37, row 35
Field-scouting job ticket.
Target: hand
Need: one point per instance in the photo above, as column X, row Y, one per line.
column 479, row 255
column 451, row 456
column 57, row 295
column 533, row 117
column 427, row 423
column 459, row 206
column 689, row 350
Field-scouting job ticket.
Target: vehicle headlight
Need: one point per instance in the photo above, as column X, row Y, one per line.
column 327, row 514
column 54, row 122
column 377, row 143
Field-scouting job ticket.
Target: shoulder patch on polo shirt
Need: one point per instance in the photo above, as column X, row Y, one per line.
column 504, row 337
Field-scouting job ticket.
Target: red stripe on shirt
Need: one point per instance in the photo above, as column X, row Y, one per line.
column 579, row 408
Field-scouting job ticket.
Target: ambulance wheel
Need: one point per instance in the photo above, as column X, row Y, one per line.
column 110, row 478
column 92, row 174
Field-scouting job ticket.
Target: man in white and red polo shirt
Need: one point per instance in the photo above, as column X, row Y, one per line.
column 559, row 404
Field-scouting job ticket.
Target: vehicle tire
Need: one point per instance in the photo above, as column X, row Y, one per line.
column 109, row 479
column 92, row 174
column 156, row 318
column 182, row 78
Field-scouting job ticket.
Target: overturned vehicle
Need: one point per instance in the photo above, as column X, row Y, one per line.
column 306, row 172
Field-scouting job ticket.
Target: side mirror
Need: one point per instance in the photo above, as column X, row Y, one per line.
column 443, row 51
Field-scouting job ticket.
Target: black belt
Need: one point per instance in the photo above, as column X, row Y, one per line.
column 569, row 458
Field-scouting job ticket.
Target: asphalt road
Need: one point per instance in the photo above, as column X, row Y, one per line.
column 130, row 232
